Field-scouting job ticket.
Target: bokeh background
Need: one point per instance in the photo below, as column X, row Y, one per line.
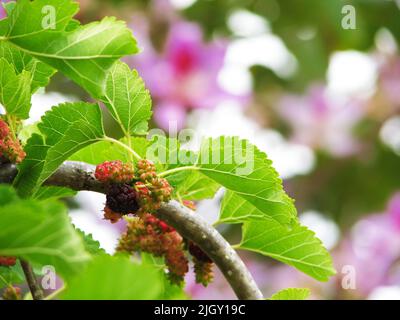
column 322, row 101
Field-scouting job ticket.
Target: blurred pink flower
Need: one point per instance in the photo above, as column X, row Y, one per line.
column 389, row 76
column 184, row 75
column 373, row 248
column 323, row 122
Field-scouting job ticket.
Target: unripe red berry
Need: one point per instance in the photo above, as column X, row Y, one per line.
column 146, row 170
column 142, row 189
column 115, row 171
column 10, row 147
column 4, row 129
column 7, row 261
column 165, row 228
column 150, row 219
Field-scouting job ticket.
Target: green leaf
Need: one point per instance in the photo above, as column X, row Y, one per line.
column 167, row 153
column 127, row 99
column 235, row 209
column 240, row 167
column 7, row 195
column 50, row 192
column 66, row 129
column 291, row 294
column 197, row 187
column 121, row 279
column 9, row 6
column 29, row 18
column 172, row 291
column 15, row 90
column 296, row 246
column 100, row 152
column 82, row 53
column 108, row 151
column 27, row 131
column 11, row 275
column 40, row 232
column 39, row 71
column 92, row 246
column 169, row 291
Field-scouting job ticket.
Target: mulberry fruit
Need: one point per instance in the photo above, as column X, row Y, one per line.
column 203, row 265
column 146, row 171
column 203, row 271
column 197, row 253
column 150, row 234
column 10, row 147
column 8, row 261
column 122, row 198
column 162, row 190
column 112, row 216
column 115, row 171
column 12, row 293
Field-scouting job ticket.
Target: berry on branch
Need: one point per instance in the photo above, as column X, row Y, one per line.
column 146, row 171
column 150, row 234
column 203, row 271
column 122, row 198
column 115, row 171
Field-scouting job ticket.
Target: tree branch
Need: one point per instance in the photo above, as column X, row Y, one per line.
column 36, row 291
column 79, row 176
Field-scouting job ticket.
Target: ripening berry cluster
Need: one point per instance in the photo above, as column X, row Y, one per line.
column 131, row 191
column 139, row 191
column 149, row 234
column 115, row 171
column 158, row 189
column 10, row 147
column 146, row 233
column 203, row 265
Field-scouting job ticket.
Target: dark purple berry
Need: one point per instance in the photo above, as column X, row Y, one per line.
column 122, row 198
column 199, row 254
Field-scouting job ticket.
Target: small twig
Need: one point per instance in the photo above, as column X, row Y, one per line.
column 176, row 170
column 123, row 145
column 36, row 291
column 79, row 176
